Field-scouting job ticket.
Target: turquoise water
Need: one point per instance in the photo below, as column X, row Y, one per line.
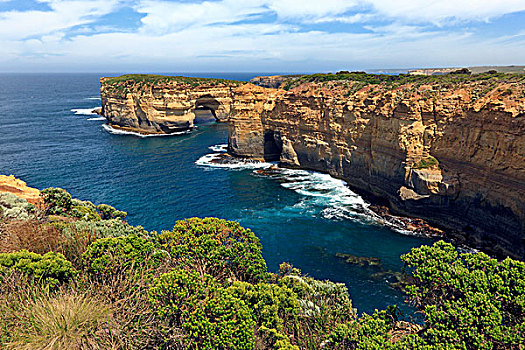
column 48, row 138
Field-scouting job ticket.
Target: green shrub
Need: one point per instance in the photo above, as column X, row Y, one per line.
column 13, row 207
column 218, row 247
column 115, row 254
column 108, row 212
column 271, row 304
column 317, row 297
column 211, row 317
column 84, row 210
column 52, row 268
column 58, row 201
column 426, row 163
column 470, row 301
column 102, row 228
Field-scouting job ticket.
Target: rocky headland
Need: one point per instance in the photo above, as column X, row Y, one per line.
column 150, row 104
column 449, row 149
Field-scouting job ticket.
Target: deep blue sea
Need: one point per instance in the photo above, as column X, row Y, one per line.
column 48, row 138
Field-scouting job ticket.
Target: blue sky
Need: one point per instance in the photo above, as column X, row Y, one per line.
column 257, row 35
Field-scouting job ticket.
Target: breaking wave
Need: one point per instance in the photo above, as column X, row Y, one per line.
column 84, row 111
column 115, row 131
column 323, row 195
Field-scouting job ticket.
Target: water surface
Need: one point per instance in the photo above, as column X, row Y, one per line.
column 48, row 138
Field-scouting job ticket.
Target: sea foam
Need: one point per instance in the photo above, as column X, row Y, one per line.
column 84, row 111
column 115, row 131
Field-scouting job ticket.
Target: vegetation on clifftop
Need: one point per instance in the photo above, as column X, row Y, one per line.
column 128, row 82
column 204, row 285
column 402, row 79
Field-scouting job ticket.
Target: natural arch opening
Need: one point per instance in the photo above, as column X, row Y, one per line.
column 205, row 109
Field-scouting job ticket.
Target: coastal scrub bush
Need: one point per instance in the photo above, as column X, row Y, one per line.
column 271, row 304
column 14, row 207
column 51, row 268
column 108, row 212
column 115, row 254
column 58, row 201
column 470, row 301
column 210, row 316
column 102, row 228
column 218, row 247
column 84, row 210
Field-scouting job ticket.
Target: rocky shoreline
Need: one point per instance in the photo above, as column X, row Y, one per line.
column 447, row 149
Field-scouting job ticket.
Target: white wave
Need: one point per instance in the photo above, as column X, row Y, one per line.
column 97, row 118
column 115, row 131
column 214, row 160
column 219, row 148
column 84, row 111
column 93, row 98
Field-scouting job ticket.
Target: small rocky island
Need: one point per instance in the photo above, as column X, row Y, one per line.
column 449, row 149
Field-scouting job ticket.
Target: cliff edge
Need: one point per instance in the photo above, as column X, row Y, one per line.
column 448, row 149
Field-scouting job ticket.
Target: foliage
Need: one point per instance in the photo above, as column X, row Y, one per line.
column 218, row 247
column 426, row 163
column 102, row 228
column 271, row 304
column 13, row 207
column 63, row 321
column 51, row 268
column 108, row 212
column 470, row 300
column 315, row 295
column 58, row 201
column 114, row 254
column 84, row 210
column 211, row 316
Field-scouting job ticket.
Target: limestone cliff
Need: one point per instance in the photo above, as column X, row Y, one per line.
column 449, row 150
column 163, row 105
column 19, row 188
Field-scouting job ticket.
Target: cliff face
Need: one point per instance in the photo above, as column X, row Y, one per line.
column 19, row 188
column 163, row 105
column 454, row 155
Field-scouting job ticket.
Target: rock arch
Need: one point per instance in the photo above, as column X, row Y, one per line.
column 207, row 108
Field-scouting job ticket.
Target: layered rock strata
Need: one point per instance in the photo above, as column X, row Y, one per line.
column 163, row 105
column 450, row 150
column 453, row 155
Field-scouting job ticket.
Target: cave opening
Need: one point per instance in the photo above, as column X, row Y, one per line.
column 205, row 109
column 272, row 145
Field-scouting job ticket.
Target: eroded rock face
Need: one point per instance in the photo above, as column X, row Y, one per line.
column 163, row 107
column 19, row 188
column 382, row 140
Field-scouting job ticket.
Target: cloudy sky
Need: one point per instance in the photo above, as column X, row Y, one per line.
column 257, row 35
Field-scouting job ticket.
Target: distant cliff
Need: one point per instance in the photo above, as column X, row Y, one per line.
column 450, row 149
column 162, row 105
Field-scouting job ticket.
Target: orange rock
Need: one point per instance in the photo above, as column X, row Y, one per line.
column 19, row 188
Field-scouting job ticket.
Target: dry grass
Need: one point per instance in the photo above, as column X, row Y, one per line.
column 41, row 237
column 89, row 313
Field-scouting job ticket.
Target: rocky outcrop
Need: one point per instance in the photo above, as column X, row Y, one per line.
column 448, row 149
column 163, row 105
column 453, row 154
column 19, row 188
column 272, row 81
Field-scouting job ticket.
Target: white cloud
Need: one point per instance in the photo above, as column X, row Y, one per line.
column 439, row 11
column 310, row 8
column 64, row 14
column 215, row 35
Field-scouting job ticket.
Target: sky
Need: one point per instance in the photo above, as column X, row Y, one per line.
column 258, row 35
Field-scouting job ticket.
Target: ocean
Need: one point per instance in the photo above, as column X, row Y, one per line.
column 50, row 138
